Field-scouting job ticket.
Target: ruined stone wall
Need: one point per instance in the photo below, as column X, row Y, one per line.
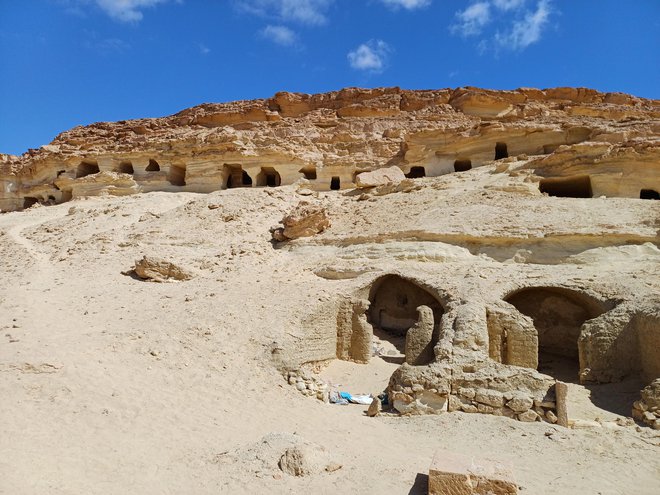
column 512, row 338
column 647, row 409
column 647, row 327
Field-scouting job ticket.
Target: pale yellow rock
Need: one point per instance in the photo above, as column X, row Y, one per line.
column 561, row 393
column 374, row 408
column 559, row 135
column 455, row 474
column 160, row 270
column 419, row 338
column 304, row 221
column 380, row 177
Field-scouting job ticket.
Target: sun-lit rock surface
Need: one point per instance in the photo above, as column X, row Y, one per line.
column 329, row 138
column 508, row 308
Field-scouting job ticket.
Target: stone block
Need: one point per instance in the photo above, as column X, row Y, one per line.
column 454, row 403
column 468, row 393
column 561, row 395
column 489, row 397
column 484, row 409
column 528, row 416
column 520, row 403
column 456, row 474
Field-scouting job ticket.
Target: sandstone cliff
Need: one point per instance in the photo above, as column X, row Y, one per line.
column 581, row 141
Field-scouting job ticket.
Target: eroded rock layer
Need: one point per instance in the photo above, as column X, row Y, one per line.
column 571, row 141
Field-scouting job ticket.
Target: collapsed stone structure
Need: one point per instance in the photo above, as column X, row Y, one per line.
column 483, row 356
column 479, row 347
column 648, row 408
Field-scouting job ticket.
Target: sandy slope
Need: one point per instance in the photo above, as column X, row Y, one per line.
column 113, row 385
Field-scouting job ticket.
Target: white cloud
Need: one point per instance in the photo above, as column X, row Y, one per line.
column 508, row 4
column 407, row 4
column 311, row 12
column 203, row 49
column 370, row 56
column 281, row 35
column 472, row 20
column 515, row 27
column 127, row 10
column 526, row 31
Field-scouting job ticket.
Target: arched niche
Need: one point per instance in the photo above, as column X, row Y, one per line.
column 308, row 172
column 125, row 167
column 235, row 176
column 462, row 165
column 393, row 312
column 578, row 186
column 649, row 194
column 268, row 177
column 153, row 166
column 416, row 172
column 86, row 168
column 177, row 175
column 558, row 315
column 501, row 151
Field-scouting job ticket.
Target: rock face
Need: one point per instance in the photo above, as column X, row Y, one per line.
column 578, row 142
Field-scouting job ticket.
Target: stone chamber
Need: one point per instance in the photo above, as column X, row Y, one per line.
column 508, row 351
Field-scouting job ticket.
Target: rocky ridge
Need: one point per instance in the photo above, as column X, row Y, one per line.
column 326, row 139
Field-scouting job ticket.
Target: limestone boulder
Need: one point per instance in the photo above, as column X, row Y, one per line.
column 456, row 474
column 306, row 459
column 304, row 221
column 159, row 270
column 380, row 177
column 277, row 453
column 374, row 408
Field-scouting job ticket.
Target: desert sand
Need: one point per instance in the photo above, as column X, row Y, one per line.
column 113, row 384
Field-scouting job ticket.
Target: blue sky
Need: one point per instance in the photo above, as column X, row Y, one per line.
column 69, row 62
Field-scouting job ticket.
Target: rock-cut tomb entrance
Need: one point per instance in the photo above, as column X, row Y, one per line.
column 396, row 306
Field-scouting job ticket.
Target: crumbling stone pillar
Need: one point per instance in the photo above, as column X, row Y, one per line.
column 561, row 401
column 344, row 329
column 512, row 338
column 419, row 338
column 362, row 334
